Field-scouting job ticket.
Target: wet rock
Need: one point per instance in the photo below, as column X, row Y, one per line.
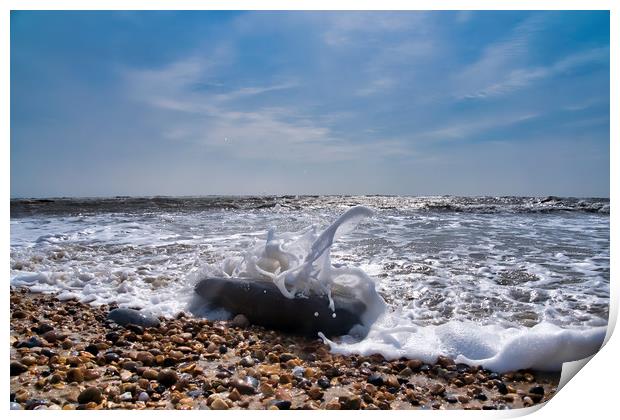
column 35, row 403
column 223, row 349
column 75, row 375
column 16, row 406
column 244, row 386
column 537, row 390
column 527, row 401
column 247, row 362
column 375, row 379
column 282, row 404
column 146, row 358
column 218, row 404
column 50, row 336
column 350, row 402
column 240, row 321
column 30, row 343
column 90, row 394
column 414, row 364
column 92, row 349
column 167, row 377
column 19, row 315
column 111, row 357
column 29, row 360
column 315, row 393
column 42, row 328
column 481, row 396
column 333, row 405
column 323, row 382
column 445, row 361
column 126, row 316
column 266, row 389
column 18, row 368
column 437, row 389
column 150, row 374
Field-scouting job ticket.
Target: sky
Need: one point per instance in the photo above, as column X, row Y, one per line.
column 405, row 103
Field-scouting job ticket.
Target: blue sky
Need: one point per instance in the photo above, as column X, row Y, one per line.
column 417, row 103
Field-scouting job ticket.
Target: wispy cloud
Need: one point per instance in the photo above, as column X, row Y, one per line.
column 266, row 131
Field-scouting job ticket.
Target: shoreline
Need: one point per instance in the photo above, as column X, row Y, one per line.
column 66, row 355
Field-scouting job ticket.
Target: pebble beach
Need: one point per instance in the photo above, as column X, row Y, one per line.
column 68, row 355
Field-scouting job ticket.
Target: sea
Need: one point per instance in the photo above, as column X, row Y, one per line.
column 503, row 282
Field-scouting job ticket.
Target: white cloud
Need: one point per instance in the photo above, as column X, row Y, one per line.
column 223, row 121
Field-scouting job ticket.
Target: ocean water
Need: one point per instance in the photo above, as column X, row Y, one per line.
column 505, row 282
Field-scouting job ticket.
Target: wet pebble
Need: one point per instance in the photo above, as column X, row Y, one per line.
column 90, row 394
column 18, row 368
column 167, row 377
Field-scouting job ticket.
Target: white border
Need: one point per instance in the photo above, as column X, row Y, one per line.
column 590, row 394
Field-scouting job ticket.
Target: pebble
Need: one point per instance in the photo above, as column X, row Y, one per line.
column 150, row 374
column 243, row 386
column 30, row 343
column 143, row 397
column 167, row 377
column 126, row 316
column 315, row 393
column 218, row 404
column 125, row 396
column 247, row 362
column 90, row 394
column 29, row 360
column 75, row 375
column 323, row 382
column 350, row 402
column 333, row 405
column 16, row 406
column 240, row 321
column 266, row 389
column 18, row 368
column 375, row 379
column 282, row 404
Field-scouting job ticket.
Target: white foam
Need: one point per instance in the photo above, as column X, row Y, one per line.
column 543, row 347
column 299, row 263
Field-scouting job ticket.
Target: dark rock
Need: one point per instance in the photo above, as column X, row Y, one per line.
column 353, row 402
column 282, row 404
column 481, row 396
column 136, row 329
column 240, row 321
column 285, row 357
column 92, row 349
column 501, row 388
column 30, row 343
column 167, row 377
column 125, row 317
column 35, row 402
column 42, row 328
column 111, row 357
column 90, row 394
column 323, row 382
column 537, row 390
column 331, row 372
column 451, row 398
column 18, row 368
column 247, row 362
column 112, row 336
column 437, row 389
column 246, row 386
column 75, row 375
column 375, row 379
column 223, row 349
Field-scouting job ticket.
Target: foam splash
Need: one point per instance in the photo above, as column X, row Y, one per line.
column 299, row 264
column 543, row 347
